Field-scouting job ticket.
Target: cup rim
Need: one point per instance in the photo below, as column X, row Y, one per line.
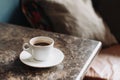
column 42, row 37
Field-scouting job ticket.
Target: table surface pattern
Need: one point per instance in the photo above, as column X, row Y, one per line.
column 78, row 52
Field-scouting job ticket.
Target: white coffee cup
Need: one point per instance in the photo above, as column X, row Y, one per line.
column 39, row 47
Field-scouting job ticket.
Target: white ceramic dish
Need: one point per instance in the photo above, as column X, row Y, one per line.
column 55, row 58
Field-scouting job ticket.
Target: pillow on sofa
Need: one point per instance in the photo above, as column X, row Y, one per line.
column 106, row 65
column 76, row 18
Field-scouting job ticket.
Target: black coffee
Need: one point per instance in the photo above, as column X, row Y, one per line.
column 41, row 44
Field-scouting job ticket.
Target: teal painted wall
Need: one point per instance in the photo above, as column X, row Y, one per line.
column 10, row 12
column 7, row 7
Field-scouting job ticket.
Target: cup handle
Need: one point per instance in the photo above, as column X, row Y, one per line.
column 27, row 47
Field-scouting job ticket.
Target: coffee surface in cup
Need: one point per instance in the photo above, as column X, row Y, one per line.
column 42, row 44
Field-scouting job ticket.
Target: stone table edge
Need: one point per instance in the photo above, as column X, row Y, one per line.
column 84, row 70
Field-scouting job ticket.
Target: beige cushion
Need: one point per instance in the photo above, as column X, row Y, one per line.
column 107, row 64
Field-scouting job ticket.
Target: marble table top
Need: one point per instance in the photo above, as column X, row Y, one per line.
column 79, row 53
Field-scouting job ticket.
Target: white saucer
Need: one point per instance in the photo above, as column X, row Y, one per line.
column 55, row 58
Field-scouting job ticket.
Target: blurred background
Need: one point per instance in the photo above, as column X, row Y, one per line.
column 10, row 12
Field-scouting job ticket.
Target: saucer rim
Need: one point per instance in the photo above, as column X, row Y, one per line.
column 60, row 52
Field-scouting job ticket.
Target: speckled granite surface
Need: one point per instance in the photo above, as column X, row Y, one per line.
column 78, row 55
